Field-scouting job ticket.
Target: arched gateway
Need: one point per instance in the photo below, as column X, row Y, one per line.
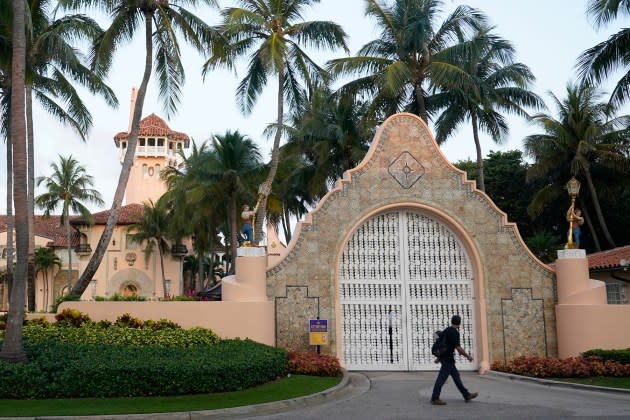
column 404, row 240
column 402, row 274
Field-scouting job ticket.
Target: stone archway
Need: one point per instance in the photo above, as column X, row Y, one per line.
column 131, row 277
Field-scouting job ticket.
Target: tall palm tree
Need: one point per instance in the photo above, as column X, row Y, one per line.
column 162, row 20
column 13, row 346
column 233, row 163
column 54, row 67
column 45, row 261
column 68, row 187
column 604, row 59
column 586, row 132
column 410, row 51
column 495, row 84
column 273, row 34
column 153, row 228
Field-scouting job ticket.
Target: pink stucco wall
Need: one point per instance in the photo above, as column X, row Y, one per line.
column 583, row 319
column 252, row 320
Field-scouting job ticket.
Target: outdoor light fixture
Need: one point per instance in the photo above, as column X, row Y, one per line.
column 573, row 188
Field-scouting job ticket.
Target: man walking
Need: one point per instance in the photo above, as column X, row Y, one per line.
column 448, row 364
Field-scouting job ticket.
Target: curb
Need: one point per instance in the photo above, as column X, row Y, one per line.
column 560, row 384
column 352, row 384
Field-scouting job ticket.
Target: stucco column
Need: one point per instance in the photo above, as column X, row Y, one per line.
column 250, row 282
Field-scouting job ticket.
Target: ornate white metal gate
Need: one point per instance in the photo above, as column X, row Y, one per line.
column 402, row 276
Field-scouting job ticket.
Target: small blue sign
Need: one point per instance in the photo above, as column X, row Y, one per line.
column 318, row 325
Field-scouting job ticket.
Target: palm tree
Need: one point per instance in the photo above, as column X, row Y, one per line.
column 586, row 133
column 273, row 34
column 45, row 260
column 233, row 163
column 162, row 20
column 68, row 187
column 153, row 228
column 495, row 84
column 411, row 50
column 54, row 67
column 13, row 346
column 604, row 59
column 332, row 134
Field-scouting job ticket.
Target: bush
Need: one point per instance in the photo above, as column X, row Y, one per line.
column 619, row 356
column 72, row 317
column 120, row 298
column 126, row 320
column 304, row 363
column 572, row 367
column 62, row 370
column 64, row 298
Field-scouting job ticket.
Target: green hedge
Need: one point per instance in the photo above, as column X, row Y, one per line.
column 98, row 334
column 63, row 370
column 619, row 356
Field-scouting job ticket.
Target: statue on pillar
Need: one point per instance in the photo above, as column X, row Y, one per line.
column 575, row 219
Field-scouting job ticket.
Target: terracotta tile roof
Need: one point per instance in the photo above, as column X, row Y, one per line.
column 129, row 214
column 50, row 228
column 609, row 258
column 156, row 127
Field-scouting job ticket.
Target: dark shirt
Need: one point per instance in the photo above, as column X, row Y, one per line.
column 452, row 341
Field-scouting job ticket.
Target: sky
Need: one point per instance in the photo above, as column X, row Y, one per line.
column 548, row 37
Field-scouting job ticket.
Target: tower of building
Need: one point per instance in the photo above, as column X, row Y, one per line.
column 158, row 147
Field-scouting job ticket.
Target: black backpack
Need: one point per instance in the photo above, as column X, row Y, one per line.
column 438, row 349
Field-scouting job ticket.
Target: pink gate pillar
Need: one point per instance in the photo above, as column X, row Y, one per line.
column 584, row 320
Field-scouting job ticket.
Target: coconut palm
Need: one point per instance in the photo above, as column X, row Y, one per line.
column 55, row 67
column 494, row 85
column 585, row 133
column 604, row 59
column 45, row 261
column 162, row 21
column 273, row 34
column 233, row 163
column 68, row 187
column 13, row 346
column 153, row 229
column 411, row 50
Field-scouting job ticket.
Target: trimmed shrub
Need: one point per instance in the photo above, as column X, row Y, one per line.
column 306, row 363
column 139, row 337
column 61, row 370
column 120, row 298
column 619, row 356
column 572, row 367
column 126, row 320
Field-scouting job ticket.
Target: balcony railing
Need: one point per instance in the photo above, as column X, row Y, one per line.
column 83, row 249
column 179, row 250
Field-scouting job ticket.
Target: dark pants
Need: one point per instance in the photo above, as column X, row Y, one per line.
column 448, row 368
column 248, row 231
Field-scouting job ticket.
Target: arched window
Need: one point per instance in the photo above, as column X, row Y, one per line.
column 145, row 170
column 157, row 170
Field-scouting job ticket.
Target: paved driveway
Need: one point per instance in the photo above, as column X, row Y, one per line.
column 392, row 395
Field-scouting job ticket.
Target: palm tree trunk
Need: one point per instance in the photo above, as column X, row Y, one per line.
column 286, row 224
column 233, row 226
column 275, row 158
column 480, row 178
column 598, row 209
column 130, row 155
column 591, row 228
column 30, row 200
column 422, row 109
column 10, row 226
column 69, row 247
column 164, row 291
column 13, row 346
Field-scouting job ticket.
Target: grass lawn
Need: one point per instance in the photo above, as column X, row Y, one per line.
column 282, row 389
column 608, row 381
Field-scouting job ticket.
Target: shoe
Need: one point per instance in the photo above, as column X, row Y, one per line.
column 438, row 402
column 471, row 396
